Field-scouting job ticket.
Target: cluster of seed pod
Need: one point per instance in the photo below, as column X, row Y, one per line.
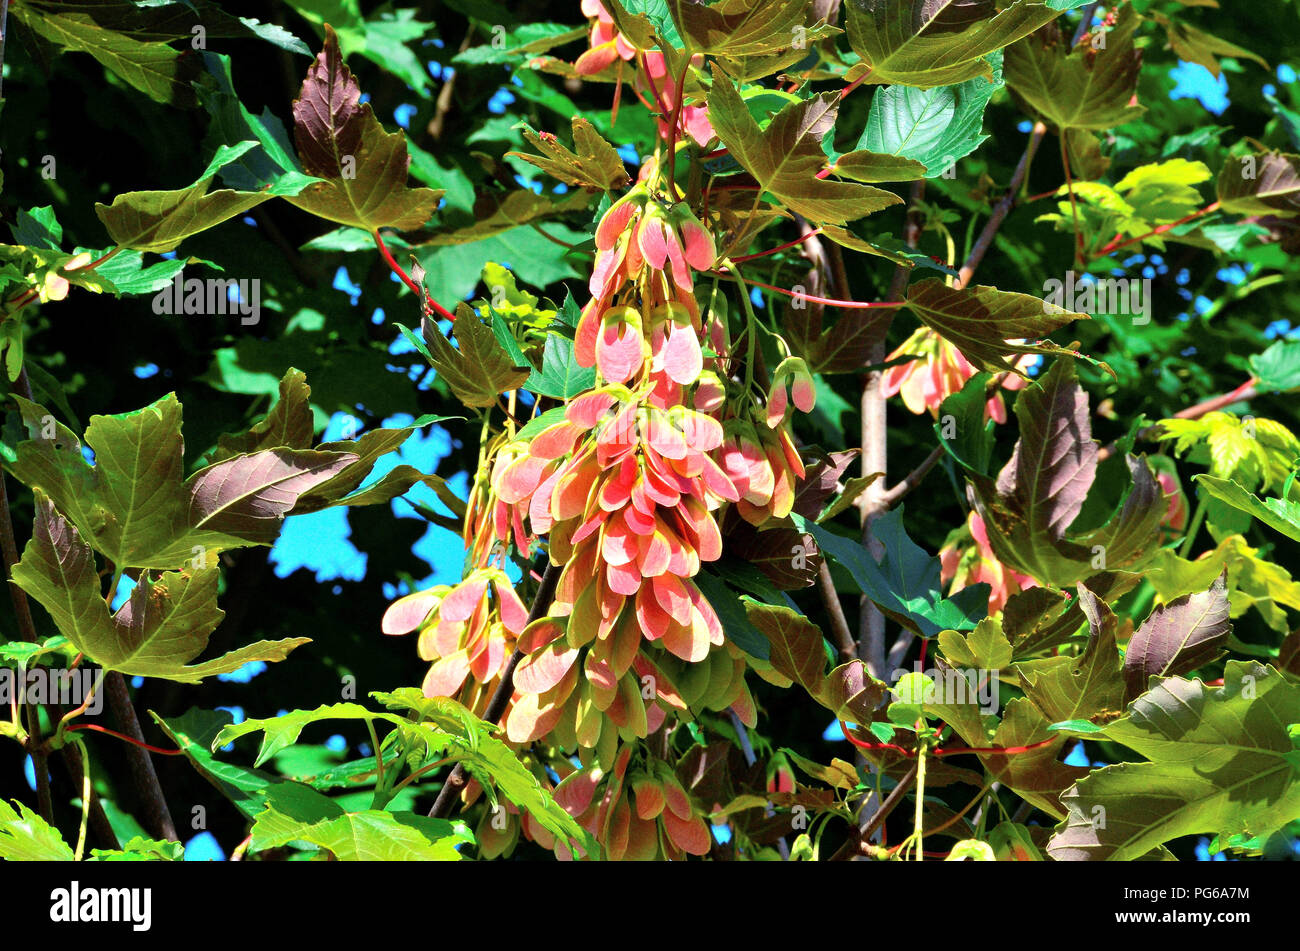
column 625, row 484
column 638, row 813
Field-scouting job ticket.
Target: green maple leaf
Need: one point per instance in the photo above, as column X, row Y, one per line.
column 750, row 39
column 935, row 127
column 1087, row 88
column 298, row 813
column 160, row 220
column 289, row 423
column 905, row 583
column 164, row 624
column 1282, row 515
column 797, row 652
column 445, row 727
column 1221, row 760
column 481, row 370
column 150, row 65
column 1079, row 688
column 1197, row 46
column 786, row 156
column 935, row 42
column 594, row 164
column 1036, row 774
column 982, row 322
column 134, row 506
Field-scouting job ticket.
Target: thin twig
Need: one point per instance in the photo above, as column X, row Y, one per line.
column 854, row 845
column 443, row 105
column 1241, row 394
column 1085, row 24
column 839, row 623
column 1002, row 209
column 890, row 497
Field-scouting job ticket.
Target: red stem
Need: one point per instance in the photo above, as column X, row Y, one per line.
column 618, row 95
column 406, row 278
column 650, row 81
column 672, row 128
column 779, row 248
column 1116, row 243
column 129, row 739
column 1001, row 750
column 953, row 751
column 844, row 93
column 98, row 261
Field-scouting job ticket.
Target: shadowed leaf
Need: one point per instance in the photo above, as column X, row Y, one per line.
column 982, row 322
column 1086, row 88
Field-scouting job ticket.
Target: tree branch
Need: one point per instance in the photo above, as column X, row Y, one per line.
column 146, row 777
column 1002, row 209
column 891, row 497
column 1241, row 394
column 1086, row 23
column 443, row 105
column 875, row 444
column 853, row 847
column 839, row 623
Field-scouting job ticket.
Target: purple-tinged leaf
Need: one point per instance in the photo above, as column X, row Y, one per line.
column 1178, row 637
column 248, row 496
column 340, row 140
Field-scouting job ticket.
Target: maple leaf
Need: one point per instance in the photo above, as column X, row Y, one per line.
column 165, row 623
column 133, row 504
column 160, row 220
column 340, row 140
column 1087, row 88
column 595, row 164
column 786, row 156
column 1265, row 183
column 983, row 321
column 935, row 42
column 481, row 370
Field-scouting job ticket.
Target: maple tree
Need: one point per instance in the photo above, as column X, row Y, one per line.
column 729, row 463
